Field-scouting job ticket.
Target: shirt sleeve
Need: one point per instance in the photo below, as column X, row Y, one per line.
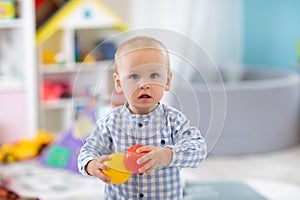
column 189, row 146
column 98, row 143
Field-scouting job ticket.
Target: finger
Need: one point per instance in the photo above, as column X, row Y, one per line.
column 102, row 176
column 147, row 167
column 102, row 166
column 144, row 158
column 105, row 179
column 145, row 148
column 149, row 171
column 104, row 158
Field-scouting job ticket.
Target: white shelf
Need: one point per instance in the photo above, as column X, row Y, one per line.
column 57, row 104
column 12, row 86
column 11, row 23
column 73, row 67
column 61, row 103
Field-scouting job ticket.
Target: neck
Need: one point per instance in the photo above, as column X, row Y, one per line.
column 142, row 111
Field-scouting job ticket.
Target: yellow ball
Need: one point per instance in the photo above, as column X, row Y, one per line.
column 118, row 172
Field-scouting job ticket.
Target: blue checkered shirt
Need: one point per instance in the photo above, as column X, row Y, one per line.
column 165, row 127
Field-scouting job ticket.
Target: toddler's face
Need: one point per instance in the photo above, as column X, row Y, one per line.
column 143, row 77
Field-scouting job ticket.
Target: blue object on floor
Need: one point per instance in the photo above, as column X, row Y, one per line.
column 220, row 191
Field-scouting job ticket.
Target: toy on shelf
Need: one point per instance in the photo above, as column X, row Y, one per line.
column 104, row 51
column 54, row 91
column 107, row 50
column 49, row 57
column 7, row 9
column 25, row 148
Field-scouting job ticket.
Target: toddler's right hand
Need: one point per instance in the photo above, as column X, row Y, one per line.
column 95, row 167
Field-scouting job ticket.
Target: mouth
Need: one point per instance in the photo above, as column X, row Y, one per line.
column 144, row 96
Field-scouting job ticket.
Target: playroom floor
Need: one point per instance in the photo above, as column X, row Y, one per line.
column 275, row 175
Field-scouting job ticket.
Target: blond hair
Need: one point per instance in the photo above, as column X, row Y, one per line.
column 141, row 43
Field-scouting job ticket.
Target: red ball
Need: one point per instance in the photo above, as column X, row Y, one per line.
column 131, row 156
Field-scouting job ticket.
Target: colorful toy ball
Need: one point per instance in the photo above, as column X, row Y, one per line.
column 117, row 172
column 131, row 157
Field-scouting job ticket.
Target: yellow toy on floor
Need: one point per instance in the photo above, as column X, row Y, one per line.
column 25, row 148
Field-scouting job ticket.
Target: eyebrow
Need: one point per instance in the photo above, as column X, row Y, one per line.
column 147, row 71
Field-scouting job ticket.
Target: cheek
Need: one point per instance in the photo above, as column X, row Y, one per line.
column 158, row 90
column 129, row 89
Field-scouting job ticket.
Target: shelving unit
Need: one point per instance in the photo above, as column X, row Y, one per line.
column 11, row 23
column 18, row 97
column 72, row 67
column 86, row 76
column 78, row 26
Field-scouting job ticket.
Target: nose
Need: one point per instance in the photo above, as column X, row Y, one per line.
column 144, row 86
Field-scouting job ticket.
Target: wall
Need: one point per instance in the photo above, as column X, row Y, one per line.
column 216, row 25
column 271, row 32
column 120, row 7
column 271, row 29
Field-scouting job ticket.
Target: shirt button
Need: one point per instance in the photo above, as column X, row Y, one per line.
column 140, row 125
column 141, row 195
column 163, row 142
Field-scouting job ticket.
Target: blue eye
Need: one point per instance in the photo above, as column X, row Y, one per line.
column 154, row 75
column 134, row 76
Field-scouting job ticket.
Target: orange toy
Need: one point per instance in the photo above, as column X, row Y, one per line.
column 131, row 156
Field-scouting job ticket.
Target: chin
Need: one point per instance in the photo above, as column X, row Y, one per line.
column 144, row 109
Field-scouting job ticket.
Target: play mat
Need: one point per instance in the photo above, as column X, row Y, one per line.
column 31, row 179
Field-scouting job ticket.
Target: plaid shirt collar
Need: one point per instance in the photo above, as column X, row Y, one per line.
column 158, row 112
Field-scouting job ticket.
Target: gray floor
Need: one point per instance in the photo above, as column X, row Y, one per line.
column 264, row 171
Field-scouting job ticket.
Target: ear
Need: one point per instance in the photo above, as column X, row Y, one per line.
column 117, row 83
column 168, row 84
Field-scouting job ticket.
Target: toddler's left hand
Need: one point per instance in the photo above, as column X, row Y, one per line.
column 156, row 157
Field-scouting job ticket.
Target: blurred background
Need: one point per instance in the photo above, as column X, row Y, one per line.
column 56, row 66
